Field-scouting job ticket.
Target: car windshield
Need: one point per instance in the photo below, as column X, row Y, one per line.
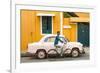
column 52, row 39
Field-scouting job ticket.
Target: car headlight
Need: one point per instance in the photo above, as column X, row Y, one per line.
column 80, row 45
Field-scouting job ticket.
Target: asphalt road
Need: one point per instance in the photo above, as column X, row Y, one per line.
column 32, row 59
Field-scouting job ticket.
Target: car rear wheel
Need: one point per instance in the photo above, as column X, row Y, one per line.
column 75, row 53
column 41, row 54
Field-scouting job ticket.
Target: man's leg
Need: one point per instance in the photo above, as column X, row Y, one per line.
column 61, row 51
column 56, row 47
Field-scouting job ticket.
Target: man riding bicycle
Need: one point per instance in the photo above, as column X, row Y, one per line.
column 57, row 40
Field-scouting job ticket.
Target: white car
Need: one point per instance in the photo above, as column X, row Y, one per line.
column 45, row 47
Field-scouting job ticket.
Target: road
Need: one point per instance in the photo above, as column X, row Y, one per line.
column 32, row 59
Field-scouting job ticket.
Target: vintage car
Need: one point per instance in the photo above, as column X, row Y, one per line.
column 45, row 47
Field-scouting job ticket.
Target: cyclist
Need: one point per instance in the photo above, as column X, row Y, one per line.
column 57, row 39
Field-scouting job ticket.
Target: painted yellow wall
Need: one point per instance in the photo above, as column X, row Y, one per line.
column 70, row 33
column 83, row 14
column 31, row 26
column 82, row 17
column 27, row 28
column 73, row 32
column 56, row 23
column 66, row 31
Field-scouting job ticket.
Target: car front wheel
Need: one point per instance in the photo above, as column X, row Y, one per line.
column 41, row 54
column 75, row 53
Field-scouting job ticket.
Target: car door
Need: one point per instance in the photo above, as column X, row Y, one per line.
column 49, row 43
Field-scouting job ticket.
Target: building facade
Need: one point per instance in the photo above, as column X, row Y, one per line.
column 34, row 24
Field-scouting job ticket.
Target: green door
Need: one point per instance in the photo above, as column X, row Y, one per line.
column 83, row 33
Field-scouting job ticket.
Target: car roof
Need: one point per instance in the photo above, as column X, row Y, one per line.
column 50, row 35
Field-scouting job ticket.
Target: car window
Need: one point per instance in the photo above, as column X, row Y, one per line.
column 49, row 39
column 52, row 39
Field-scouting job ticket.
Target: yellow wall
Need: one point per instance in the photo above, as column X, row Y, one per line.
column 66, row 31
column 69, row 33
column 31, row 27
column 73, row 32
column 27, row 28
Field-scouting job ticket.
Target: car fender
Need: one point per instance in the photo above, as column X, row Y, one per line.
column 73, row 45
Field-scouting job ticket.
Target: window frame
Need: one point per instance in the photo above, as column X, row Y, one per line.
column 41, row 26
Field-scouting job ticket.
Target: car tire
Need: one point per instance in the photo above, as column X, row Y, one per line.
column 75, row 53
column 41, row 54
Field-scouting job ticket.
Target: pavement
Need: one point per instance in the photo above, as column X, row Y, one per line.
column 28, row 59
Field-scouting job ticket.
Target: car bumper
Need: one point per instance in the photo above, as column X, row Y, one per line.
column 82, row 51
